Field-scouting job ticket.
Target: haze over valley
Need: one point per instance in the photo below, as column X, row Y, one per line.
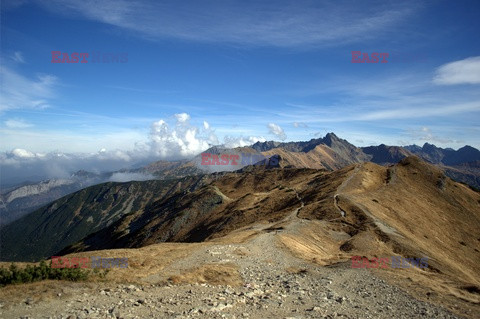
column 239, row 159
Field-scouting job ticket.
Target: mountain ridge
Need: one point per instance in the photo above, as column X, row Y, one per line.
column 408, row 210
column 329, row 152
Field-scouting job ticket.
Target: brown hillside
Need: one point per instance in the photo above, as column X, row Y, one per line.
column 410, row 209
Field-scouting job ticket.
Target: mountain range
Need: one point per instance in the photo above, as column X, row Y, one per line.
column 330, row 152
column 323, row 201
column 135, row 214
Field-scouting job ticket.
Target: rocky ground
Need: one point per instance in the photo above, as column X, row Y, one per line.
column 260, row 280
column 274, row 287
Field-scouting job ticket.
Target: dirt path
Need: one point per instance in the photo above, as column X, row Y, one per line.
column 275, row 284
column 340, row 191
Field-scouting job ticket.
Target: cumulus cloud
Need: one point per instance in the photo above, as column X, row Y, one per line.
column 465, row 71
column 182, row 117
column 168, row 140
column 277, row 131
column 232, row 142
column 21, row 153
column 180, row 140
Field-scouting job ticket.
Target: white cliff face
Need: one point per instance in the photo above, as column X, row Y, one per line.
column 35, row 189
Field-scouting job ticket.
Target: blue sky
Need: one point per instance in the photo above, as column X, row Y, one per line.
column 234, row 72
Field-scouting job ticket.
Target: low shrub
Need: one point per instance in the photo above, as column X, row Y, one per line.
column 15, row 275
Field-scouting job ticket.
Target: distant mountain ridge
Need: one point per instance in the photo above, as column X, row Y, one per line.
column 329, row 152
column 378, row 154
column 192, row 209
column 384, row 154
column 332, row 153
column 448, row 156
column 18, row 201
column 75, row 216
column 330, row 140
column 302, row 201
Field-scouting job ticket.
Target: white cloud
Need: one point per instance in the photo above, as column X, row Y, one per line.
column 277, row 131
column 19, row 164
column 182, row 140
column 419, row 112
column 182, row 117
column 178, row 140
column 17, row 123
column 19, row 92
column 281, row 24
column 21, row 153
column 408, row 95
column 18, row 57
column 465, row 71
column 232, row 142
column 409, row 108
column 73, row 140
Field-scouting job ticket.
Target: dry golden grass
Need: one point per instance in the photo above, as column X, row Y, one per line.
column 411, row 215
column 441, row 224
column 389, row 211
column 315, row 244
column 300, row 159
column 145, row 261
column 213, row 274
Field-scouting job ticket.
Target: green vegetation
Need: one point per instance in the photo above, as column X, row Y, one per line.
column 100, row 273
column 69, row 219
column 15, row 275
